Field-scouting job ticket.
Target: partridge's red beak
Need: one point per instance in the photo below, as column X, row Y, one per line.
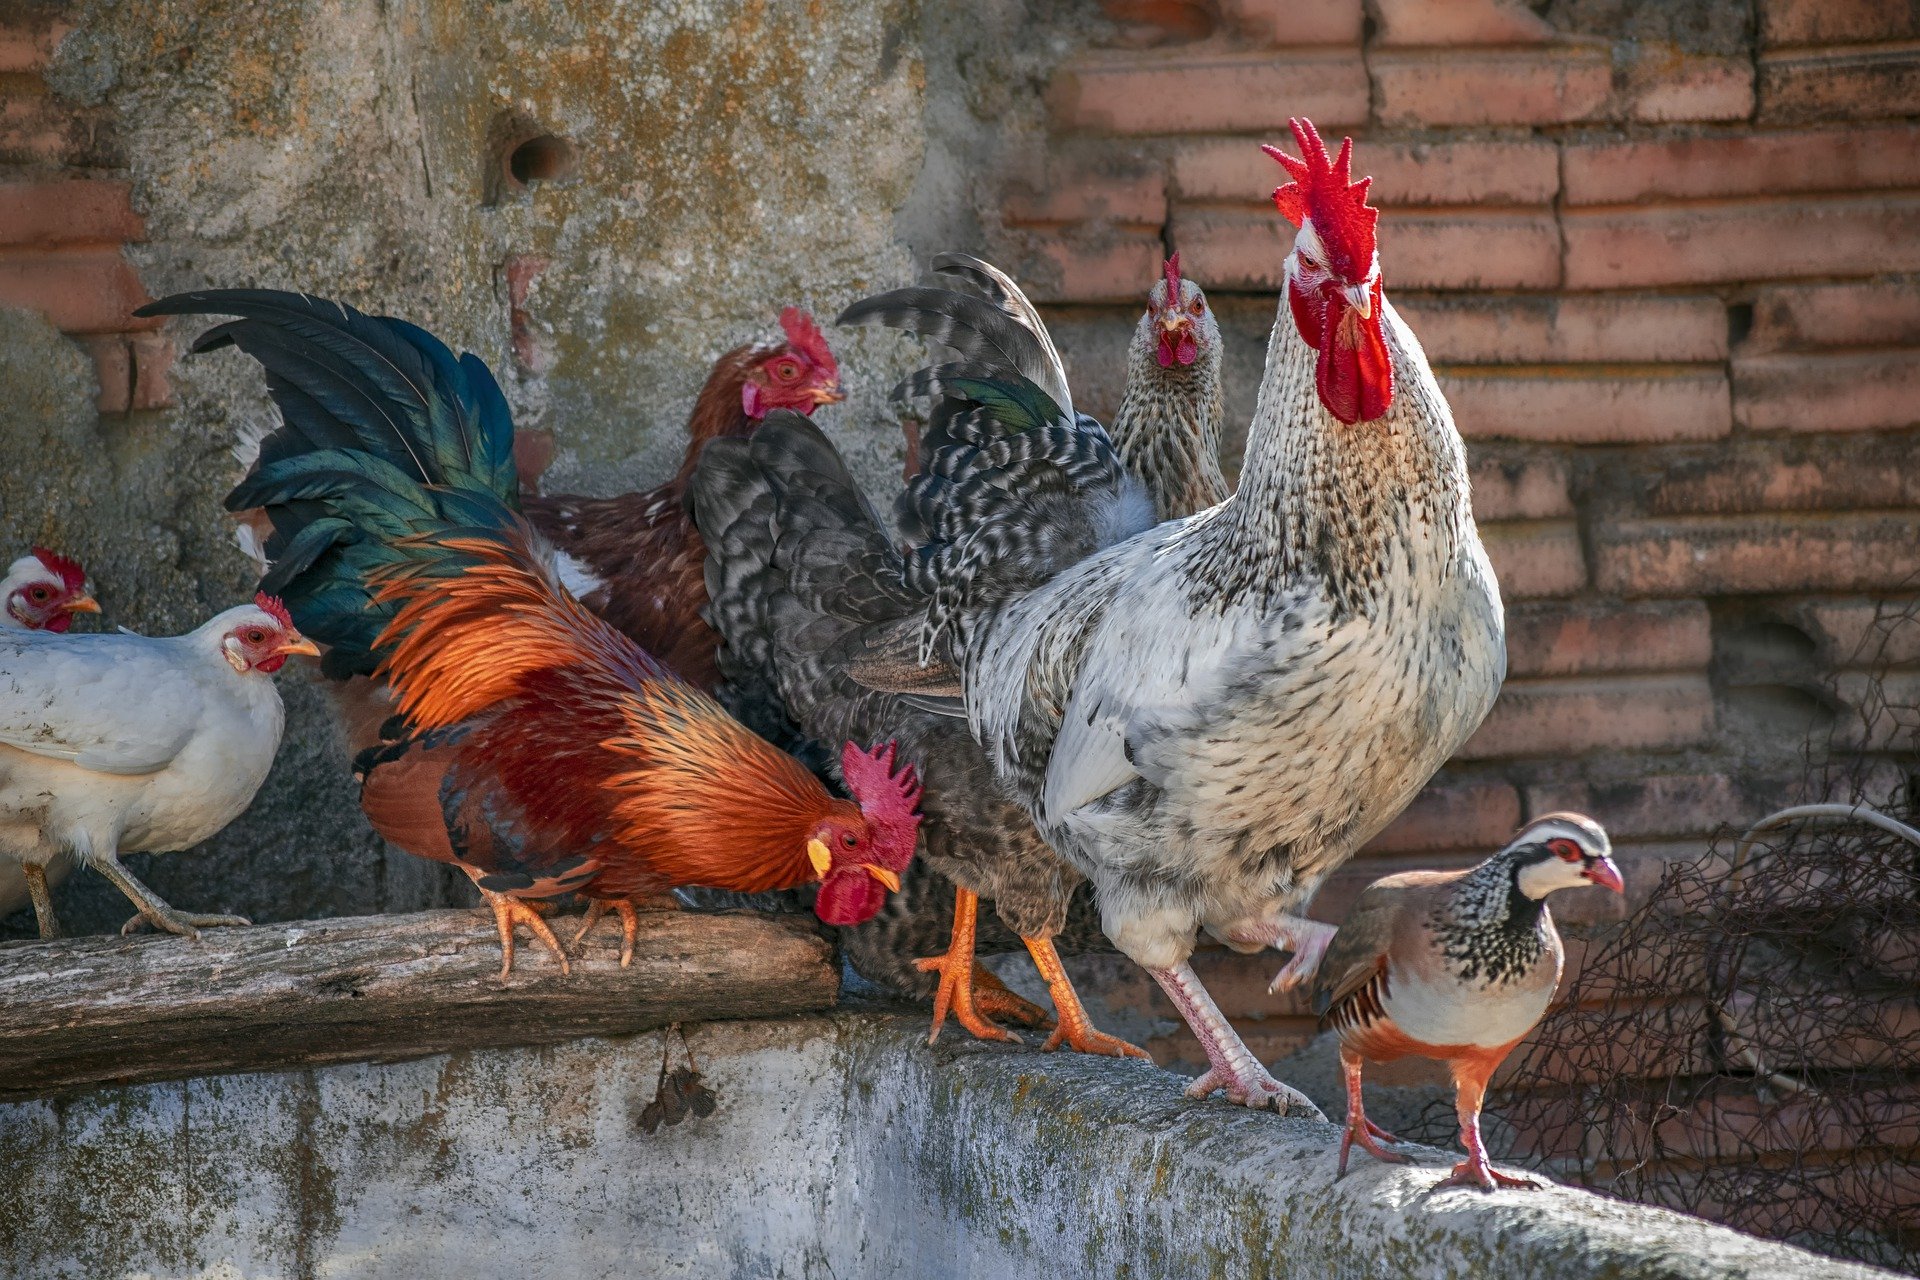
column 1603, row 873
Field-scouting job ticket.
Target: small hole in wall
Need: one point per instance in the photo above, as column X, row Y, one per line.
column 1739, row 322
column 543, row 158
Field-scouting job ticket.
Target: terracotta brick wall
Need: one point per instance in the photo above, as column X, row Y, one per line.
column 65, row 216
column 1663, row 262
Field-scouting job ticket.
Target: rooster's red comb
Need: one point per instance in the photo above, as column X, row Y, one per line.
column 804, row 336
column 271, row 606
column 889, row 801
column 1324, row 190
column 72, row 576
column 1172, row 272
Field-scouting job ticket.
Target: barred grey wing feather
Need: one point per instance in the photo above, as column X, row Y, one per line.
column 978, row 331
column 1010, row 298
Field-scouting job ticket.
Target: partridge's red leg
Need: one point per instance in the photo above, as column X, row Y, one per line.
column 1470, row 1082
column 956, row 969
column 1360, row 1129
column 1076, row 1029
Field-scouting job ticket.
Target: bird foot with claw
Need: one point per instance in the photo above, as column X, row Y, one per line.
column 509, row 913
column 185, row 923
column 996, row 1000
column 1308, row 940
column 1090, row 1039
column 1373, row 1140
column 956, row 994
column 1258, row 1090
column 1479, row 1174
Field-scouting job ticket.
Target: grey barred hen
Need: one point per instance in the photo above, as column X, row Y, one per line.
column 1168, row 426
column 800, row 569
column 1207, row 717
column 1168, row 433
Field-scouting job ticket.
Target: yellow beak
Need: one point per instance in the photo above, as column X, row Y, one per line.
column 300, row 644
column 1360, row 297
column 827, row 395
column 82, row 604
column 884, row 876
column 817, row 854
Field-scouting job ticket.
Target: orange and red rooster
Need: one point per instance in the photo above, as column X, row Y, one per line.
column 540, row 749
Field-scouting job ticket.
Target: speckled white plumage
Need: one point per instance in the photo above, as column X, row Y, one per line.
column 1208, row 718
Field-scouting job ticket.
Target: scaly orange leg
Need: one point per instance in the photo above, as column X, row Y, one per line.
column 629, row 910
column 991, row 997
column 508, row 912
column 1076, row 1029
column 956, row 970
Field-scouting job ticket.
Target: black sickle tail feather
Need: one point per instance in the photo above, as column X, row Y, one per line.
column 385, row 435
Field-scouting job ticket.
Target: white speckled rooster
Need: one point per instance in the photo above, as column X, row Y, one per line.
column 1208, row 716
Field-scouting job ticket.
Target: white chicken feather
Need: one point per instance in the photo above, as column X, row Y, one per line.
column 122, row 743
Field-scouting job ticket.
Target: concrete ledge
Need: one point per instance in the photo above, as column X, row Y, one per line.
column 842, row 1147
column 80, row 1012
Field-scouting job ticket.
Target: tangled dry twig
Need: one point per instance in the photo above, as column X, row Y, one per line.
column 1747, row 1045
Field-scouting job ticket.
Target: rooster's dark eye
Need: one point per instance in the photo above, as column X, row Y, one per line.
column 256, row 637
column 848, row 839
column 1198, row 308
column 39, row 595
column 786, row 371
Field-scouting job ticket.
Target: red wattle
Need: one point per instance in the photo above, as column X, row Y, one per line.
column 849, row 896
column 1165, row 353
column 58, row 623
column 1354, row 374
column 1188, row 351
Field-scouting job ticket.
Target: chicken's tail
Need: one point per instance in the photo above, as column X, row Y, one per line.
column 386, row 440
column 1014, row 486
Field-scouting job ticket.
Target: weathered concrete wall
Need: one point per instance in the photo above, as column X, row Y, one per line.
column 843, row 1147
column 730, row 159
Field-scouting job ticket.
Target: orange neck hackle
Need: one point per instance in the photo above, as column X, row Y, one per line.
column 712, row 803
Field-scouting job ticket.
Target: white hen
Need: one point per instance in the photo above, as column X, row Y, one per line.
column 122, row 743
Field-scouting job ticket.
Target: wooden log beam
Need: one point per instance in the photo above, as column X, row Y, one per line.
column 84, row 1012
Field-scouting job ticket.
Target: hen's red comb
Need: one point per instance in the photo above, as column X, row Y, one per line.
column 72, row 576
column 271, row 606
column 888, row 800
column 804, row 336
column 1325, row 191
column 1172, row 272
